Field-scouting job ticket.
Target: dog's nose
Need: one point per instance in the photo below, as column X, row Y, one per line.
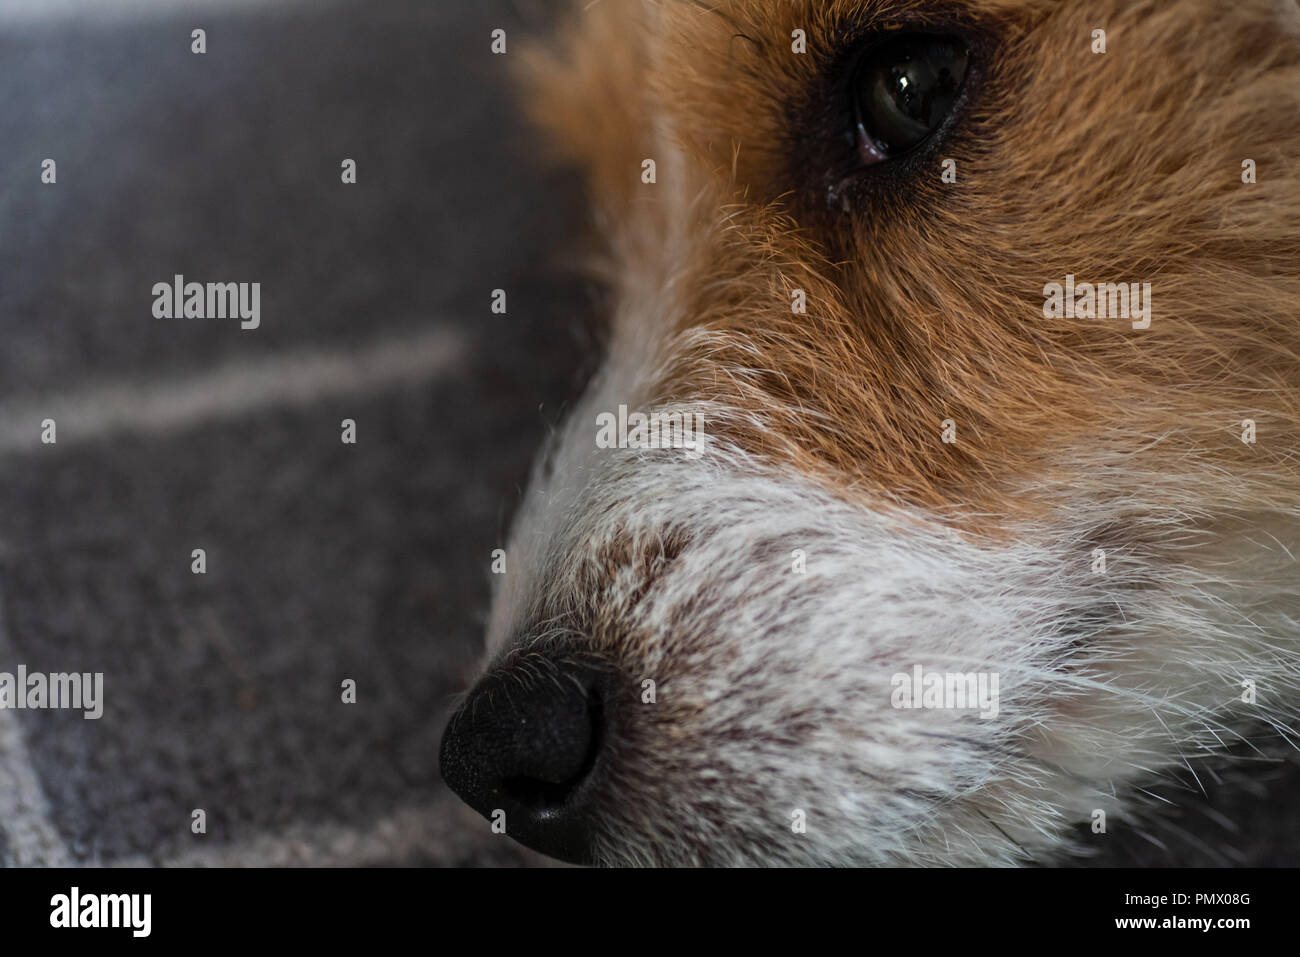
column 526, row 744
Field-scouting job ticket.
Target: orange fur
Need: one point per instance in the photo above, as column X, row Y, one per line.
column 924, row 303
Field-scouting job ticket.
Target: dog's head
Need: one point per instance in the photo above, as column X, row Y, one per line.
column 929, row 544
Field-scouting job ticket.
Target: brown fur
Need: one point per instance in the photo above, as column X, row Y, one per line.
column 924, row 299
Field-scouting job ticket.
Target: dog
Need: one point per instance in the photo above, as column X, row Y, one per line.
column 987, row 313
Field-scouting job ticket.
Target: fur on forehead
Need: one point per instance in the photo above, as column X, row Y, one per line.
column 924, row 299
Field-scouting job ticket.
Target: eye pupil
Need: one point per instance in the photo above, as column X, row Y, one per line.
column 904, row 89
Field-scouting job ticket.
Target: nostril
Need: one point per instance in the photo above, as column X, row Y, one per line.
column 543, row 794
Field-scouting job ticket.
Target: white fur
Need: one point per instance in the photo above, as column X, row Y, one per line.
column 773, row 687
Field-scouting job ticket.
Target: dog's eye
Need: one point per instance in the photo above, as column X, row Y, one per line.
column 903, row 89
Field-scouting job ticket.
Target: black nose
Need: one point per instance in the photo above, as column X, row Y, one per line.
column 527, row 743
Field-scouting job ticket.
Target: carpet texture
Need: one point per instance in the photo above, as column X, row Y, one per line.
column 325, row 561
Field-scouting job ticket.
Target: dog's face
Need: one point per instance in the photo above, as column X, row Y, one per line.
column 916, row 451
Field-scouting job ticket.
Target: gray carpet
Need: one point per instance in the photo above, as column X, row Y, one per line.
column 325, row 561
